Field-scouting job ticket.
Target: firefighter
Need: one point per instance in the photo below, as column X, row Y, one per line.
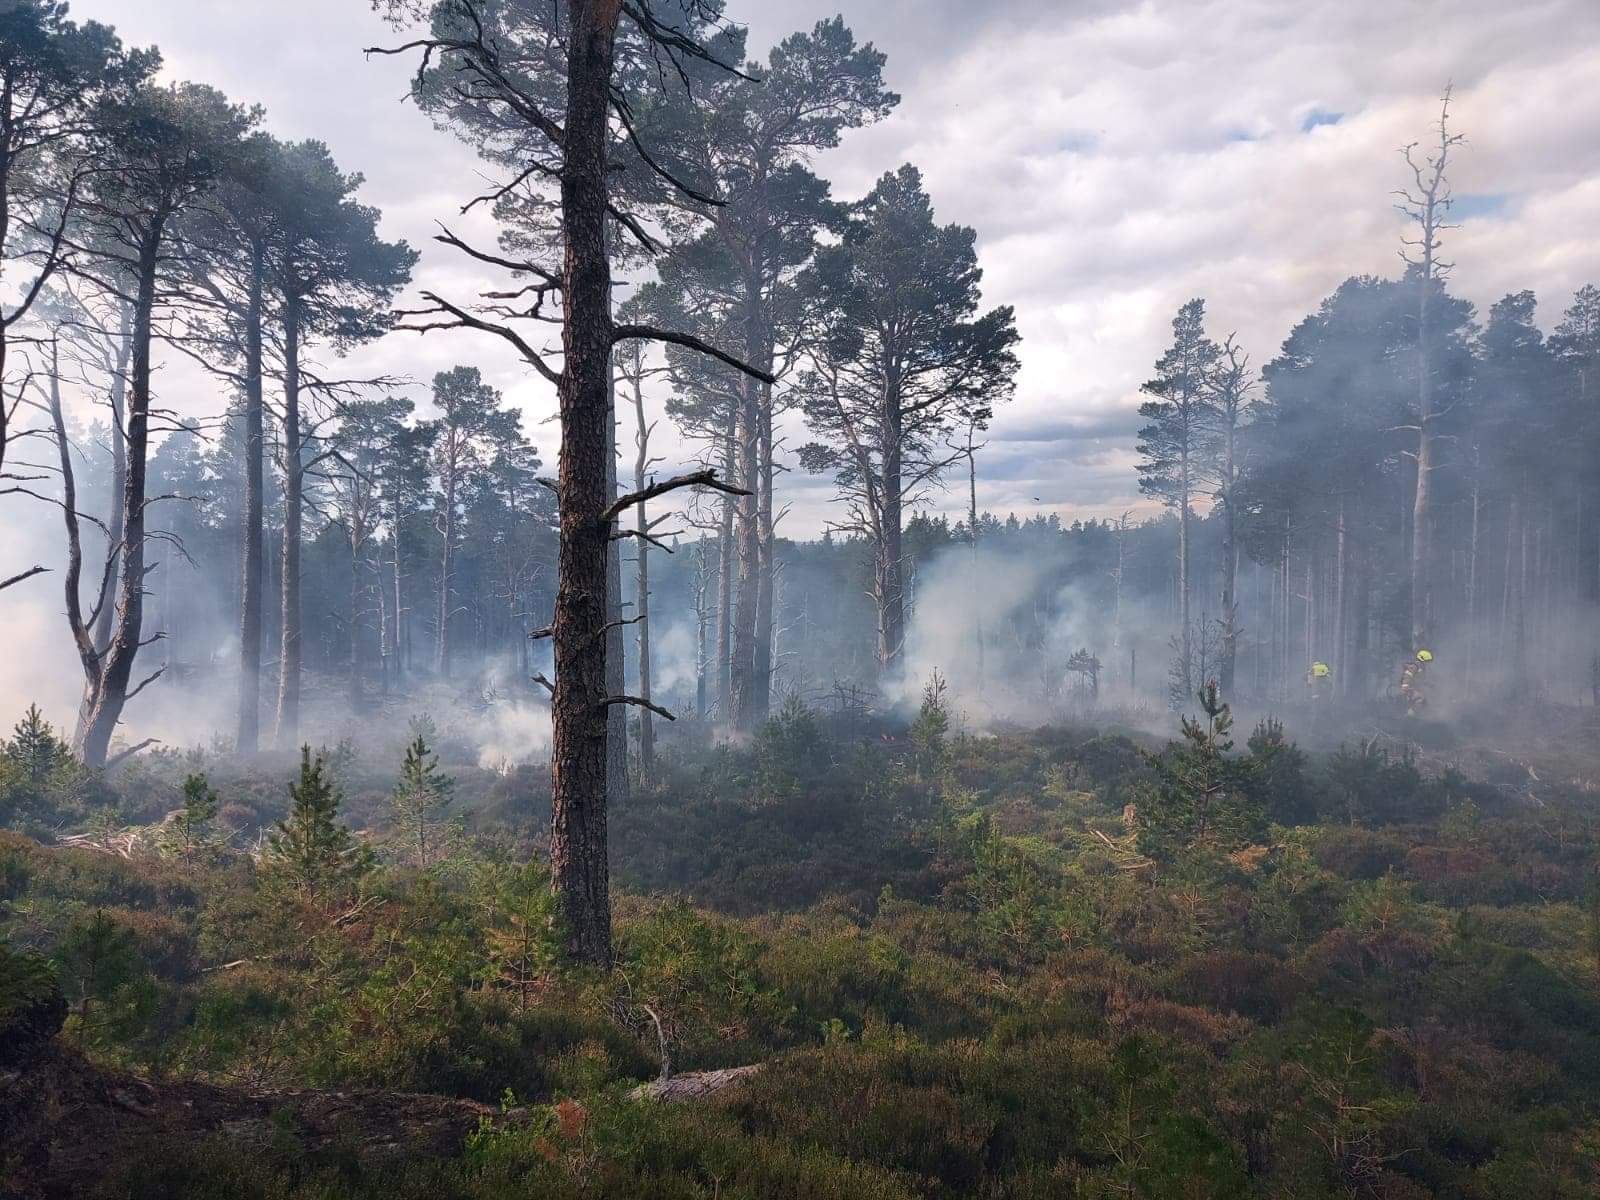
column 1319, row 679
column 1412, row 676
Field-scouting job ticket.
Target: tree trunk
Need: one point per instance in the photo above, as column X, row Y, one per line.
column 1337, row 651
column 701, row 615
column 441, row 662
column 972, row 539
column 88, row 649
column 766, row 567
column 106, row 709
column 290, row 647
column 1185, row 635
column 616, row 644
column 117, row 519
column 358, row 537
column 398, row 666
column 1421, row 509
column 889, row 577
column 250, row 570
column 1230, row 574
column 726, row 570
column 747, row 535
column 641, row 469
column 578, row 853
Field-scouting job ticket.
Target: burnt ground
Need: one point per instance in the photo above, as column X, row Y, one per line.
column 67, row 1124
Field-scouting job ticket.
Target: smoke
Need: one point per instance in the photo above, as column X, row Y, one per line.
column 1000, row 626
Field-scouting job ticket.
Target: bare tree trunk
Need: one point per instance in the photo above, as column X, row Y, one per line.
column 702, row 615
column 972, row 538
column 88, row 651
column 1474, row 635
column 112, row 694
column 441, row 661
column 1230, row 575
column 578, row 853
column 396, row 649
column 358, row 537
column 117, row 519
column 726, row 569
column 1186, row 635
column 616, row 646
column 766, row 567
column 249, row 725
column 889, row 576
column 1428, row 207
column 290, row 648
column 1337, row 653
column 641, row 473
column 747, row 534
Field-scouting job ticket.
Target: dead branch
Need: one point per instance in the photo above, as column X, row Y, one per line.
column 706, row 478
column 131, row 750
column 28, row 574
column 638, row 702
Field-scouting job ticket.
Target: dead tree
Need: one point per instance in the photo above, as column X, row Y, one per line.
column 633, row 372
column 1426, row 201
column 169, row 141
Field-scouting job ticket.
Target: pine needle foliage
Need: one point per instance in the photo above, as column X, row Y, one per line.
column 420, row 800
column 309, row 850
column 1203, row 797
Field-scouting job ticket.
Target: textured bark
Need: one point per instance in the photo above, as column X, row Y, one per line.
column 250, row 571
column 578, row 851
column 290, row 648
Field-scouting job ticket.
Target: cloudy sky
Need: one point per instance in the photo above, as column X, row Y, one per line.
column 1115, row 157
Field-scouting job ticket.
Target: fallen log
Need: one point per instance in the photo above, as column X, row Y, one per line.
column 693, row 1085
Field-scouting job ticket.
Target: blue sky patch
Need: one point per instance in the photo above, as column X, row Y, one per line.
column 1479, row 204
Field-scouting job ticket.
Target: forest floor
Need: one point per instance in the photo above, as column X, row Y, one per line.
column 69, row 1123
column 999, row 965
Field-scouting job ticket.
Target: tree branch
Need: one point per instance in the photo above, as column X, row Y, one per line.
column 706, row 478
column 652, row 334
column 639, row 702
column 28, row 574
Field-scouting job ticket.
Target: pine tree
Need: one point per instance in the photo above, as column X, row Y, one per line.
column 1200, row 798
column 34, row 747
column 310, row 850
column 190, row 830
column 97, row 960
column 521, row 931
column 420, row 799
column 1177, row 448
column 929, row 729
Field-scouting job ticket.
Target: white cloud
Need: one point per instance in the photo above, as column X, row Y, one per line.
column 1115, row 157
